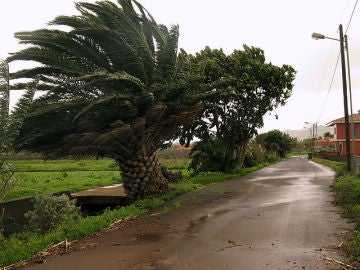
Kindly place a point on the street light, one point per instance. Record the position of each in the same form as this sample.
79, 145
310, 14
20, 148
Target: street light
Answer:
342, 54
313, 134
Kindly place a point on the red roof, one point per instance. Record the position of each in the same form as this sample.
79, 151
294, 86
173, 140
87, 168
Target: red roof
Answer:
354, 117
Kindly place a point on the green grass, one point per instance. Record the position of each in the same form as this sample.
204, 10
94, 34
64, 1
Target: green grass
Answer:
45, 182
44, 177
208, 178
347, 192
338, 167
65, 177
65, 165
175, 163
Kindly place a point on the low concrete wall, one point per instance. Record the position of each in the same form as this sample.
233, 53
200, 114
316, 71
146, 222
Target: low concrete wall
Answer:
91, 204
15, 209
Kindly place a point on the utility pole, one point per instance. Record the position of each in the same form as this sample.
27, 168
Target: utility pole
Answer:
346, 113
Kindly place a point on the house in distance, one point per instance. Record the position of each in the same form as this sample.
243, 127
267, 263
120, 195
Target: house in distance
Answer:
339, 139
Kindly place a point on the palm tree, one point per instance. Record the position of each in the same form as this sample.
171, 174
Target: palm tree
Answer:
10, 124
114, 85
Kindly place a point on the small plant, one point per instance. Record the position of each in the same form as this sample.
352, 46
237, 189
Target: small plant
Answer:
177, 205
347, 191
50, 211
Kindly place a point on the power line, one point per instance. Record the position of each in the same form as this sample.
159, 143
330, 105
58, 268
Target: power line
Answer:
352, 13
330, 86
337, 62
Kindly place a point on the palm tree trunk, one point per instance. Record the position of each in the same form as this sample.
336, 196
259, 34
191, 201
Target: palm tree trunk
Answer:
142, 177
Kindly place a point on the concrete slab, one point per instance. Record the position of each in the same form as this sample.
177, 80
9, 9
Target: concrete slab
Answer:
113, 190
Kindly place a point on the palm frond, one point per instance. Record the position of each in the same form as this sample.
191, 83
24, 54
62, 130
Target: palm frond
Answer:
166, 54
121, 134
154, 114
19, 113
104, 76
123, 99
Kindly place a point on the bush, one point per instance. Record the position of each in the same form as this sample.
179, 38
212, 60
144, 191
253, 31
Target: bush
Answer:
50, 211
347, 191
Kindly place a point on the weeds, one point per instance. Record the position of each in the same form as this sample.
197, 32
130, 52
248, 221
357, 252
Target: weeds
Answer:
347, 194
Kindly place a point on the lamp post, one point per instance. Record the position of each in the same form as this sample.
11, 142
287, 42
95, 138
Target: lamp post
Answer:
313, 134
353, 163
343, 69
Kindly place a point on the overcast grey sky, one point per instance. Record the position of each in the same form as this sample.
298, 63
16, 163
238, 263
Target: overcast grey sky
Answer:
282, 28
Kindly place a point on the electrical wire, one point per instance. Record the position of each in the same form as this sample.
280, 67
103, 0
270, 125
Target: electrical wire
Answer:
330, 87
336, 65
351, 16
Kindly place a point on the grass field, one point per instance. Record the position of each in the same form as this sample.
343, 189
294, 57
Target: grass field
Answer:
40, 177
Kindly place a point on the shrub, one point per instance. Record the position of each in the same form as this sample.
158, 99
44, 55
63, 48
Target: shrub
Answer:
50, 211
347, 191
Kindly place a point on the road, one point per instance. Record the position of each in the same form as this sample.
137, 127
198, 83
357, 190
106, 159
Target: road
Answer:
280, 217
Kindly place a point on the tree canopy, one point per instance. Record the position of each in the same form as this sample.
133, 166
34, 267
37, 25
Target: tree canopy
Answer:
229, 120
277, 142
114, 85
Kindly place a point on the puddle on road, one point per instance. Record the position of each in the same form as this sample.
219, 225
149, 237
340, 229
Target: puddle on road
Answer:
196, 222
222, 212
201, 220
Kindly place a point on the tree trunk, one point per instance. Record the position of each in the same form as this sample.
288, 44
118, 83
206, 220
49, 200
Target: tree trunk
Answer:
240, 154
142, 177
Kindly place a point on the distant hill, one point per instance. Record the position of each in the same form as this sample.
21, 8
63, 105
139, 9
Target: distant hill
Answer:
305, 132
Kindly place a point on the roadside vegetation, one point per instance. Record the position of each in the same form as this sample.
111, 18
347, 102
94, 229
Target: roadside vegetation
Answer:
347, 194
347, 188
27, 242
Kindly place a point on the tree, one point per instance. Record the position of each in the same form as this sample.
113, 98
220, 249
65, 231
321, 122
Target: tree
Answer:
232, 118
278, 143
327, 134
10, 124
113, 86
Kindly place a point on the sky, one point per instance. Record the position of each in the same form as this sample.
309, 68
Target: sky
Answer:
281, 28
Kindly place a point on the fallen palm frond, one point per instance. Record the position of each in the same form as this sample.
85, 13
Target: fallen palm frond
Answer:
344, 265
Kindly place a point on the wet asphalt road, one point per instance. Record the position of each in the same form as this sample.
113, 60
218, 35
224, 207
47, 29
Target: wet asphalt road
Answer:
280, 217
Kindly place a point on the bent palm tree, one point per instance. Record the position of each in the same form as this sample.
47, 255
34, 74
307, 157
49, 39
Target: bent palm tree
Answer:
114, 87
10, 125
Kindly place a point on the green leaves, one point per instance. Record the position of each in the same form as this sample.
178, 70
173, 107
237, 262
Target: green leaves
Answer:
112, 83
278, 142
10, 125
244, 89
